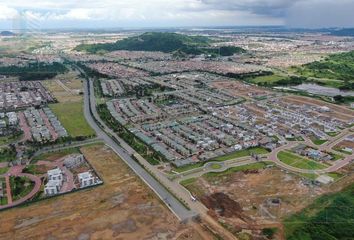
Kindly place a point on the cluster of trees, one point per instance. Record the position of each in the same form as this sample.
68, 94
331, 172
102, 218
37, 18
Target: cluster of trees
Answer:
330, 217
343, 99
149, 154
151, 41
178, 44
247, 76
34, 71
286, 81
8, 154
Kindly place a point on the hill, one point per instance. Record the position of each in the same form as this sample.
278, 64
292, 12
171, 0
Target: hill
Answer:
163, 42
345, 32
336, 66
6, 33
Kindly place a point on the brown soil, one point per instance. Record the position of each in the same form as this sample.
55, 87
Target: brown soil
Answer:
122, 208
224, 205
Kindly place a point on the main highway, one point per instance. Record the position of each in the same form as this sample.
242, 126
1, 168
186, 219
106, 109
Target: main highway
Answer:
91, 116
164, 186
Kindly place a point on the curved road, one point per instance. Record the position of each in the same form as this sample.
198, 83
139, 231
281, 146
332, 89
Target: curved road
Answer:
273, 156
37, 186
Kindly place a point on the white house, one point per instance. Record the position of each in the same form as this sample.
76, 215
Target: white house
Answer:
86, 179
55, 174
55, 182
53, 187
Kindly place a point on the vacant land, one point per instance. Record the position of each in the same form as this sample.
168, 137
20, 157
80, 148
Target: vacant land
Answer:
298, 161
251, 189
65, 87
329, 217
72, 117
122, 208
56, 155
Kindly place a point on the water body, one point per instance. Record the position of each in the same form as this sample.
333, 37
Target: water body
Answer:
321, 90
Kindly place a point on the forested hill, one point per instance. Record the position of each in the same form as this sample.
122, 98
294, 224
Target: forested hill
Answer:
163, 42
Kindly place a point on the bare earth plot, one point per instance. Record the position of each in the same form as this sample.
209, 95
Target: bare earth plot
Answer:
122, 208
66, 89
243, 199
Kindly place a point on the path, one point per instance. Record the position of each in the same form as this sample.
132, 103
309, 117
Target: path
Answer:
8, 190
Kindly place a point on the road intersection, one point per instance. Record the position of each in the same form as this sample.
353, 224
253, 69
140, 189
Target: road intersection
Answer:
175, 196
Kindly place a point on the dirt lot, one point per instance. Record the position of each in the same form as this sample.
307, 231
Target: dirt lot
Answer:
65, 87
251, 189
240, 89
246, 203
122, 208
345, 143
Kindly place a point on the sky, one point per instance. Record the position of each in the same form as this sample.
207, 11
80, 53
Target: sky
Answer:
43, 14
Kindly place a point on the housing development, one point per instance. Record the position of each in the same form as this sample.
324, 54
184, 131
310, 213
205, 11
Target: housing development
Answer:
184, 134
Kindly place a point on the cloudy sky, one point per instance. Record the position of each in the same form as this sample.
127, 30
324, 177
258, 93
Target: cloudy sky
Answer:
173, 13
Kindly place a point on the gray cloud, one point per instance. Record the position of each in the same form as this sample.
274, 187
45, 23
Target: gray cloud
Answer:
274, 8
295, 13
321, 13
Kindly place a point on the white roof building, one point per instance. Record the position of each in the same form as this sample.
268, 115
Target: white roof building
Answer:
86, 179
55, 174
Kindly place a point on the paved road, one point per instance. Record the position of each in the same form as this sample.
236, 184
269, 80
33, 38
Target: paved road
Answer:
208, 169
60, 147
124, 151
273, 156
90, 109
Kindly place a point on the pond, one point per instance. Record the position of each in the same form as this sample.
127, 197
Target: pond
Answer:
321, 90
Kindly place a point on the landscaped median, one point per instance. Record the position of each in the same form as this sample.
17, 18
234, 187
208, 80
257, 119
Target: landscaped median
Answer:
247, 167
231, 156
297, 161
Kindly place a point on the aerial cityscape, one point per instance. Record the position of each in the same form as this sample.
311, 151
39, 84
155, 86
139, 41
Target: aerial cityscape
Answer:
210, 120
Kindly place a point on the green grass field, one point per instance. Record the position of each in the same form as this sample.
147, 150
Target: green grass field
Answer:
234, 155
328, 217
297, 161
215, 166
4, 170
187, 182
253, 166
318, 141
189, 167
72, 118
